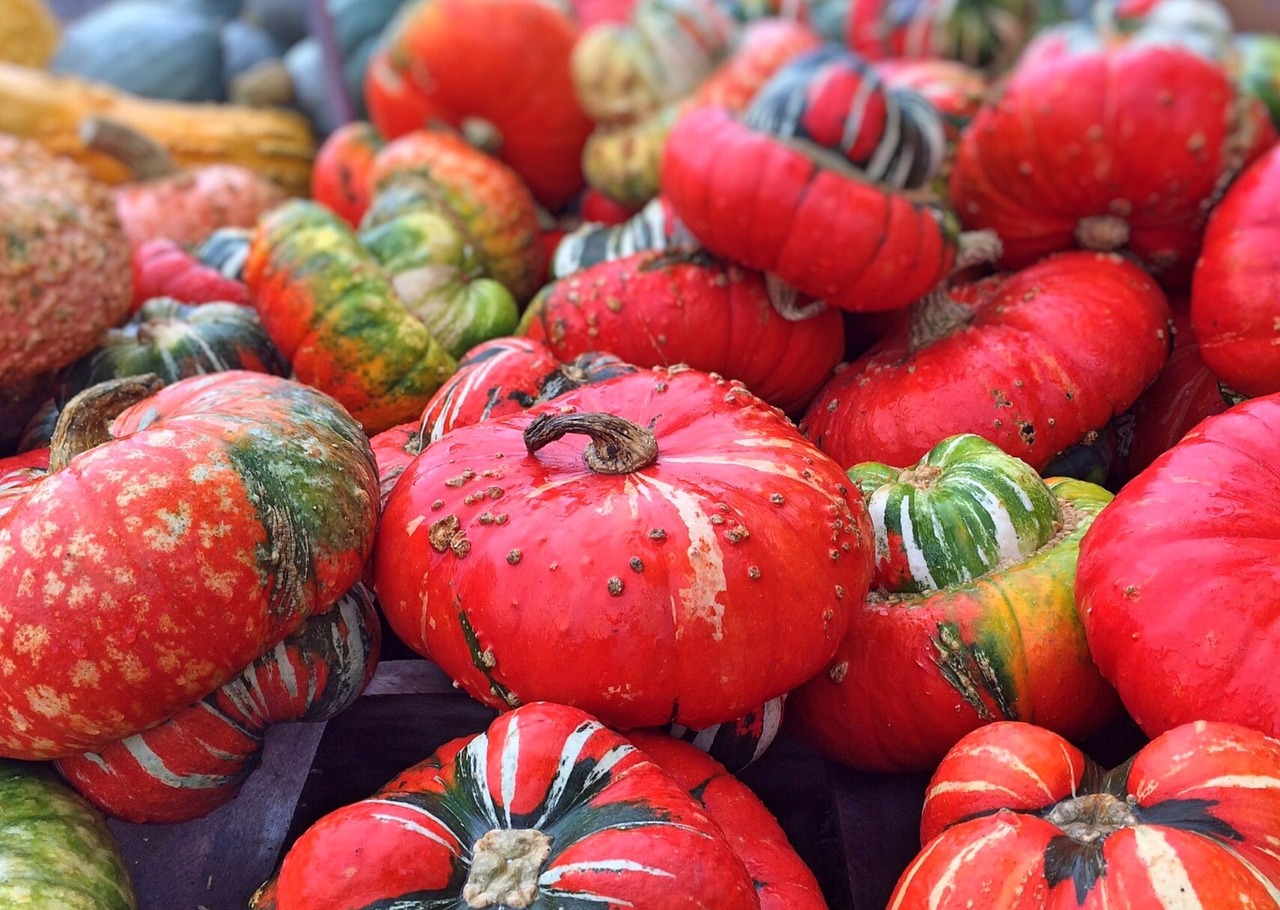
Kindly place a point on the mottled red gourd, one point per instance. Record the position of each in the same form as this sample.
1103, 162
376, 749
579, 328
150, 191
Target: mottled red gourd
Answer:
163, 268
1016, 818
1179, 579
1032, 361
662, 308
250, 499
546, 808
341, 177
663, 554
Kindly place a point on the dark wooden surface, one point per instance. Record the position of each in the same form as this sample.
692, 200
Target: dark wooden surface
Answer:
856, 831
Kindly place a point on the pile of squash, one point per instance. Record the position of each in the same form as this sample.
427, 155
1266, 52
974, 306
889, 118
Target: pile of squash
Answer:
661, 370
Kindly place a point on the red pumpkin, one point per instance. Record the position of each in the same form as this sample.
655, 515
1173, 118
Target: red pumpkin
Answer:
665, 563
197, 760
782, 880
1108, 147
341, 177
497, 69
828, 233
662, 308
1031, 361
1185, 393
1179, 579
545, 808
1016, 818
208, 522
1235, 295
163, 268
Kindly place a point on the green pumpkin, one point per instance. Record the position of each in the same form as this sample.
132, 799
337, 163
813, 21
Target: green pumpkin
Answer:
175, 340
437, 274
1259, 70
56, 852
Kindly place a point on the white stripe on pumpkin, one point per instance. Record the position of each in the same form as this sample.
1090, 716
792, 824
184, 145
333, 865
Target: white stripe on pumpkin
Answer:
1165, 872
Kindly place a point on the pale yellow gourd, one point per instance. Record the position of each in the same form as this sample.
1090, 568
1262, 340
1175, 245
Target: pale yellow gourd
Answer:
28, 32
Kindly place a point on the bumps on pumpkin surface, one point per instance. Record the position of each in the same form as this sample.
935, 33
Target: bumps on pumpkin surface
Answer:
64, 261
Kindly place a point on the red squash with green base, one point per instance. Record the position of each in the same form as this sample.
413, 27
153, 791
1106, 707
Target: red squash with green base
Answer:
1016, 818
250, 500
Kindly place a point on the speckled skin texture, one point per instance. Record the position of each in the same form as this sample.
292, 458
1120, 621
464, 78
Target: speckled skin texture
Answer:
64, 261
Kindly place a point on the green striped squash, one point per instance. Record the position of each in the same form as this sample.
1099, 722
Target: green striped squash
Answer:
964, 510
56, 852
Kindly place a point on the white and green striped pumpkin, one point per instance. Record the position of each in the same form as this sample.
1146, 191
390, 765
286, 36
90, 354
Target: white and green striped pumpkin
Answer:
56, 852
966, 508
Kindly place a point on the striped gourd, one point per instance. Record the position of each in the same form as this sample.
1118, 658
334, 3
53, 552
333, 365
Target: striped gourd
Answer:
56, 852
546, 809
833, 103
965, 509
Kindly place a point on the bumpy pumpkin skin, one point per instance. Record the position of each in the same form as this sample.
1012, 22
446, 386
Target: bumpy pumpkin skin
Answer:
1033, 362
1235, 293
198, 759
1018, 815
56, 851
1179, 581
333, 313
250, 499
623, 833
971, 628
662, 582
658, 309
64, 265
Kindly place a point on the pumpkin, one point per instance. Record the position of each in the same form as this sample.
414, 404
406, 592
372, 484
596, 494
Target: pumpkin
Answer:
1053, 163
688, 513
972, 612
335, 316
623, 72
1031, 360
173, 340
545, 808
250, 499
64, 268
1235, 293
226, 250
1259, 71
341, 177
782, 880
162, 268
495, 69
822, 229
50, 110
28, 32
623, 161
1151, 587
1185, 393
440, 171
183, 206
197, 760
987, 33
662, 308
148, 48
434, 270
56, 850
1017, 818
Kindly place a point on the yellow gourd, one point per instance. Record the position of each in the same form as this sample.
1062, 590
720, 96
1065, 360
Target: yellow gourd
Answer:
52, 109
28, 32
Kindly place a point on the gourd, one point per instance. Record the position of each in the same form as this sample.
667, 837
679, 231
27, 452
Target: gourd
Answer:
28, 32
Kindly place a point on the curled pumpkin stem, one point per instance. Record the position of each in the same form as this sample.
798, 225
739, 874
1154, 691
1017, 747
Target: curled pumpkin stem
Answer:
146, 158
935, 317
86, 420
617, 446
786, 300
